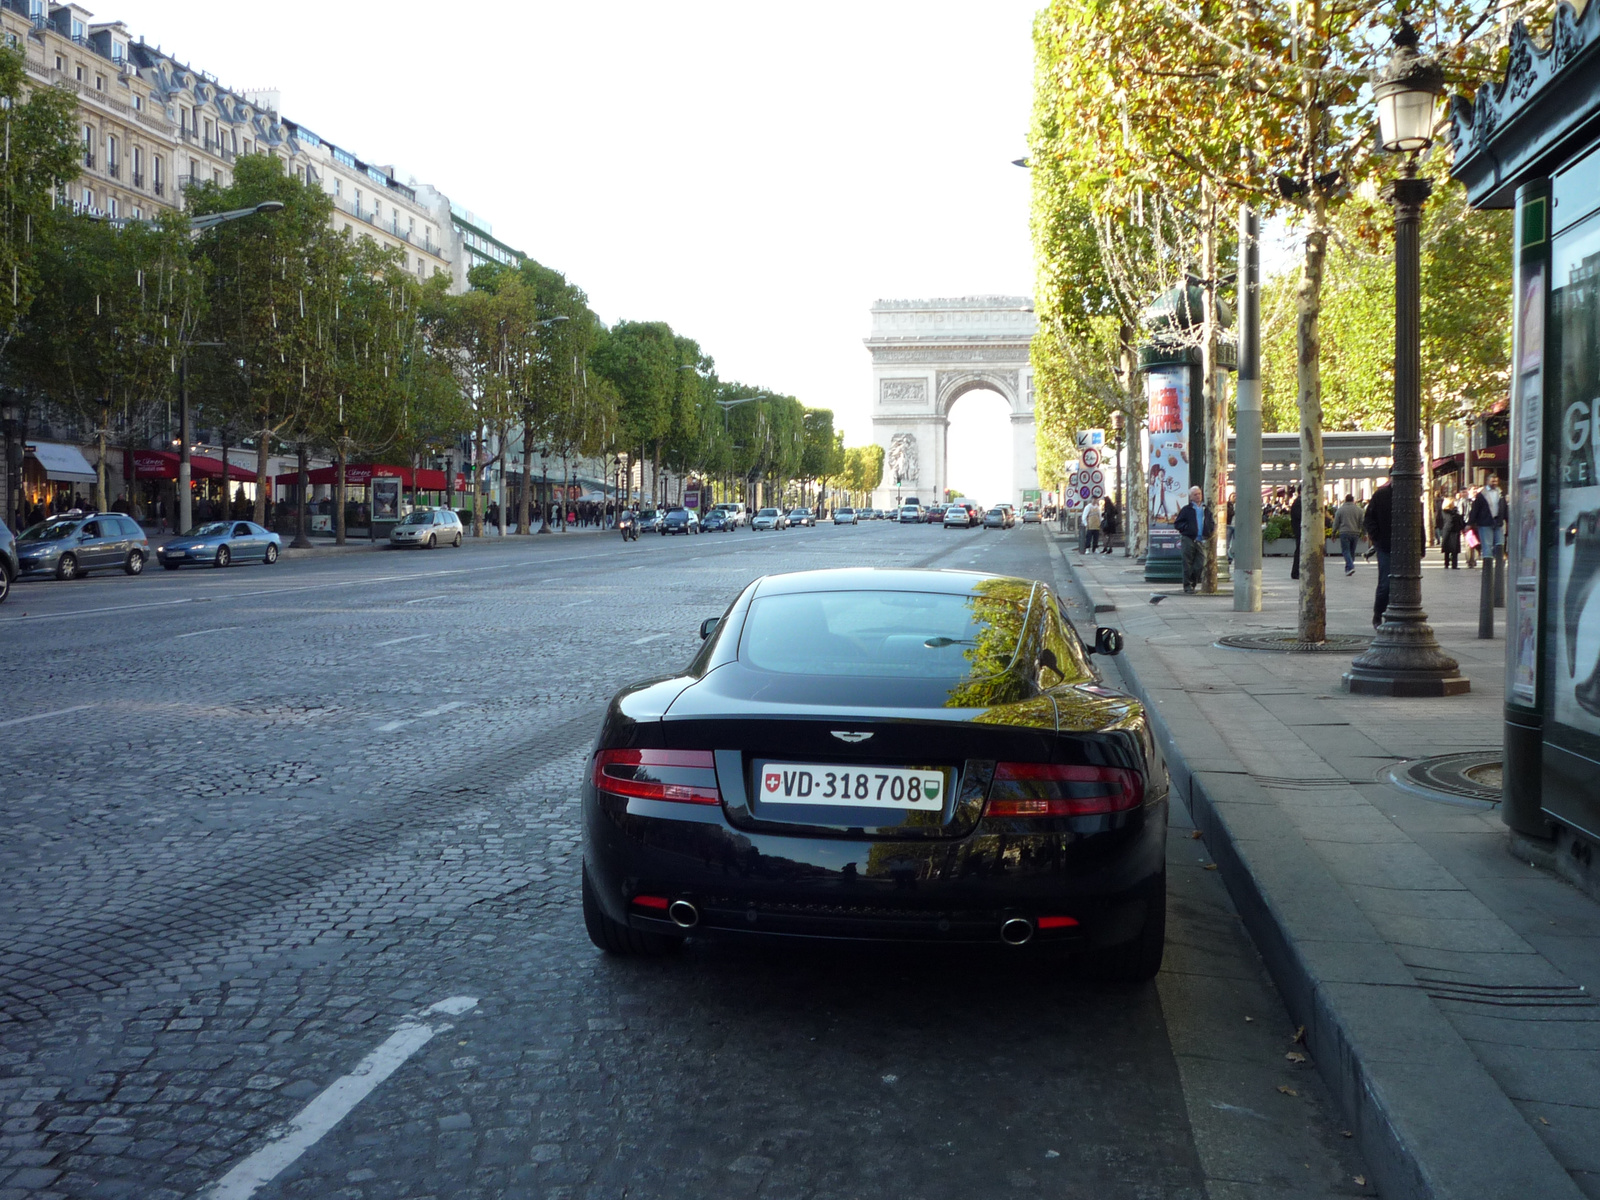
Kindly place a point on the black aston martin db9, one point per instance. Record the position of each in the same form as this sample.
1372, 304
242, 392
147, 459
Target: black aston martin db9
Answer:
899, 755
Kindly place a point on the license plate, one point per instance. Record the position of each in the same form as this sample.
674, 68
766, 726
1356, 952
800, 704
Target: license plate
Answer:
859, 787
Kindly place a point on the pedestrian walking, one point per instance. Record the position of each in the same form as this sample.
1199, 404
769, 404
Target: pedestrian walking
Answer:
1488, 518
1294, 519
1451, 526
1196, 525
1232, 523
1348, 523
1377, 523
1091, 523
1108, 523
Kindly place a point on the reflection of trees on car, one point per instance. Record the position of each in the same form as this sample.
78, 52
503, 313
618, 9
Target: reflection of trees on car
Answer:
1000, 610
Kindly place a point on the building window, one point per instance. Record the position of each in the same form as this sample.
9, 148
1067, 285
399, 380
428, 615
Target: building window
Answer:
338, 189
138, 213
60, 65
111, 207
88, 198
138, 167
79, 71
138, 102
216, 176
99, 83
155, 168
111, 154
88, 145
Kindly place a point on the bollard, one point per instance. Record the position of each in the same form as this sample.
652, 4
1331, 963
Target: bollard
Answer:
1486, 600
1499, 577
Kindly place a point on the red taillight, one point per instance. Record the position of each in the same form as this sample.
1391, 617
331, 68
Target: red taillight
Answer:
660, 902
1053, 790
684, 776
1045, 922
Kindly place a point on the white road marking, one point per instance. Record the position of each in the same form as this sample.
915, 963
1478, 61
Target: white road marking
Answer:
307, 1127
424, 599
654, 637
218, 629
396, 641
391, 726
60, 712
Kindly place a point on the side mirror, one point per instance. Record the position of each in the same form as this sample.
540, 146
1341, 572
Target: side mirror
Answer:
1107, 640
709, 626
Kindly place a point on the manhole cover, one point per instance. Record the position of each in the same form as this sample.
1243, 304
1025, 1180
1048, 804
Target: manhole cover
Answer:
1472, 778
1287, 641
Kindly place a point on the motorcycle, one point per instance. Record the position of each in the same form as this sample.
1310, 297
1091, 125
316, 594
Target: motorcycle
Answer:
628, 526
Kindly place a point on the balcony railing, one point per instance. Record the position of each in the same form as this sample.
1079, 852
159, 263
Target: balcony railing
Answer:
157, 186
112, 168
138, 179
188, 134
88, 158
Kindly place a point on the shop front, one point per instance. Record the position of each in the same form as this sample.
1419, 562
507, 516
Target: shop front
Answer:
1532, 143
55, 477
376, 496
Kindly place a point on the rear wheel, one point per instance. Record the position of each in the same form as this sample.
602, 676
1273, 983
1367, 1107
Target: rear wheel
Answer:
272, 554
5, 583
67, 567
433, 541
457, 542
1139, 960
223, 556
135, 562
616, 938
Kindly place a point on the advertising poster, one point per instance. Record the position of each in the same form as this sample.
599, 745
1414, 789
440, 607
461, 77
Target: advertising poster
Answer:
1525, 646
1575, 612
1167, 393
385, 498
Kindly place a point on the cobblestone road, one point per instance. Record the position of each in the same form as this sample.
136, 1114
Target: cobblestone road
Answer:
255, 821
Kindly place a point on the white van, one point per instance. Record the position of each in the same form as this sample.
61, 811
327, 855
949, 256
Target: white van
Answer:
738, 514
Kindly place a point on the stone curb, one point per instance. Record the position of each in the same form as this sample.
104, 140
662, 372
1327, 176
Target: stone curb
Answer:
1430, 1120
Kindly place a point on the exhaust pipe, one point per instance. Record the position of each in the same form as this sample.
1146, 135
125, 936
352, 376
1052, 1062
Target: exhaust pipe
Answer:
1016, 931
686, 916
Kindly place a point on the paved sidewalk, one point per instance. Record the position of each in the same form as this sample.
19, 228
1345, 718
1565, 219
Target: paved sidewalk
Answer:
1447, 988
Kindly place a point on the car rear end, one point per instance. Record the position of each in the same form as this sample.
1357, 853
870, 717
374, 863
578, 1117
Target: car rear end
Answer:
829, 812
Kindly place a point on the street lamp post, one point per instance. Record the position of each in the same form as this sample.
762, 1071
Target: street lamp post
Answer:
185, 506
1404, 658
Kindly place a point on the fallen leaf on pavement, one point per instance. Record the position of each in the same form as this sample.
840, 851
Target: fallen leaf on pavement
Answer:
1347, 1133
1195, 834
1299, 1034
1249, 1018
1361, 1181
1295, 1056
1211, 866
1542, 1121
1287, 1091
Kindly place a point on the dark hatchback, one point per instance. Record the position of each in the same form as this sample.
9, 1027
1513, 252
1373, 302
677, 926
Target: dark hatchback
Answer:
894, 755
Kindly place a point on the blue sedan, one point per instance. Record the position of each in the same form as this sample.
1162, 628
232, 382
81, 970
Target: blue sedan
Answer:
219, 543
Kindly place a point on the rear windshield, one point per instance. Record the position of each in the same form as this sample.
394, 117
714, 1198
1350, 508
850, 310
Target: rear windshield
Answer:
910, 635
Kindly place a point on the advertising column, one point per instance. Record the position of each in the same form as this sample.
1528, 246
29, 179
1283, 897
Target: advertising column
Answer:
1167, 472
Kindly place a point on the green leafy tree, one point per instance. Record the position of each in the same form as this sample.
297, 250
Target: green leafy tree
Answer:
640, 359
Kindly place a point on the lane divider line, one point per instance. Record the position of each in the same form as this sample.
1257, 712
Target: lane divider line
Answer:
218, 629
654, 637
334, 1103
396, 641
60, 712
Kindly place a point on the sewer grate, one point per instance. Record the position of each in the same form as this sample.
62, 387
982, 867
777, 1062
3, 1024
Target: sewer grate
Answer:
1473, 777
1287, 641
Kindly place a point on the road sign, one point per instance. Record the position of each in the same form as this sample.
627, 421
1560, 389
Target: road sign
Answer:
1091, 437
1091, 457
1097, 477
1096, 492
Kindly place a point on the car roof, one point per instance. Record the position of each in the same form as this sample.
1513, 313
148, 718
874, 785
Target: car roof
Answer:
877, 579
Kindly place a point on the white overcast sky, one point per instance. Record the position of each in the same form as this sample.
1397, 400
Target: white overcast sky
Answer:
754, 174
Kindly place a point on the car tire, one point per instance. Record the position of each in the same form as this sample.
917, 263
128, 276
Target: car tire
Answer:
457, 542
224, 556
616, 938
171, 566
1137, 961
135, 563
67, 567
271, 555
433, 542
5, 584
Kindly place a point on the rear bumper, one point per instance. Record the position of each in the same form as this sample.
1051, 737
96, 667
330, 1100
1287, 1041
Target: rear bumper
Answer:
949, 891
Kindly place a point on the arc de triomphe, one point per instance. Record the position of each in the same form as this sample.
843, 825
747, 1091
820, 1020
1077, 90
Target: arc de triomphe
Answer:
926, 355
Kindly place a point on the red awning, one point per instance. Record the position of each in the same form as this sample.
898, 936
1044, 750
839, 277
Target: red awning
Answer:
163, 464
1490, 456
360, 474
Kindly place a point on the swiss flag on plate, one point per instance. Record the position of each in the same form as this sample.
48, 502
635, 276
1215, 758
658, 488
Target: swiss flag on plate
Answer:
773, 780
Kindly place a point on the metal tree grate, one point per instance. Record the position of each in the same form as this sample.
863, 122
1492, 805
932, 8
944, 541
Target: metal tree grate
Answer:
1287, 641
1472, 776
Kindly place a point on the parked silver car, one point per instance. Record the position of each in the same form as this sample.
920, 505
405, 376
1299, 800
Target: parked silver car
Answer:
72, 546
427, 527
844, 516
218, 543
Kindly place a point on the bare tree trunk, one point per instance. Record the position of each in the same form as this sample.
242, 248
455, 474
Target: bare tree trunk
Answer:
1216, 445
263, 478
341, 490
525, 501
1308, 337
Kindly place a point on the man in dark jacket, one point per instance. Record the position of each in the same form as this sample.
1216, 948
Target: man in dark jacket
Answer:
1294, 521
1377, 523
1197, 526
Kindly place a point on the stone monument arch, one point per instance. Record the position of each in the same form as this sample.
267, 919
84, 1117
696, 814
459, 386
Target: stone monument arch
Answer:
926, 355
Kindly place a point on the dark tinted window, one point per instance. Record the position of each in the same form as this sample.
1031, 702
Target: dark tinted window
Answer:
92, 529
241, 530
